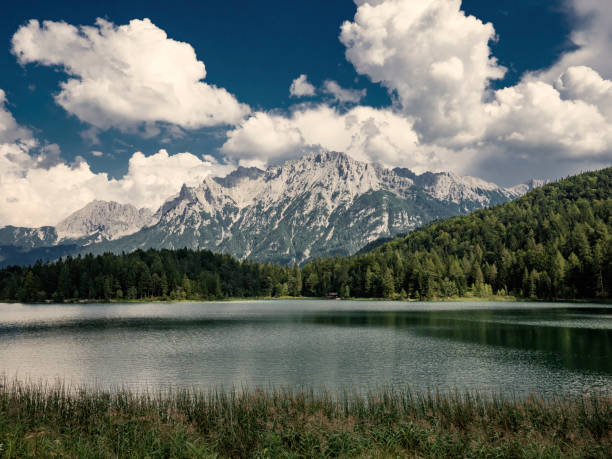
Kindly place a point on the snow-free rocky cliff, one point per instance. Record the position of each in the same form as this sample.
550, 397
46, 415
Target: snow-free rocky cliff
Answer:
321, 204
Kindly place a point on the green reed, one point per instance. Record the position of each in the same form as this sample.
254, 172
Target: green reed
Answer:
57, 420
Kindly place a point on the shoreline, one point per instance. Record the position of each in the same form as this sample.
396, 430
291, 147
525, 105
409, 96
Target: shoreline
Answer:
464, 299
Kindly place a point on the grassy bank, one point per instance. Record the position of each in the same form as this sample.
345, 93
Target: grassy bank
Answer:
40, 421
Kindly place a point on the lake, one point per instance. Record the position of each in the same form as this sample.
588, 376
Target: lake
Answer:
509, 348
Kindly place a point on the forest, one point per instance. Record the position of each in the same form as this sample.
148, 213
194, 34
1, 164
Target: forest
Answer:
553, 243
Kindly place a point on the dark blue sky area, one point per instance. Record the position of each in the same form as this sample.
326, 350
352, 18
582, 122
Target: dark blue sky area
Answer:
254, 50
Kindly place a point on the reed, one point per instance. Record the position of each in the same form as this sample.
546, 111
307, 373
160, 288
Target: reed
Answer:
39, 420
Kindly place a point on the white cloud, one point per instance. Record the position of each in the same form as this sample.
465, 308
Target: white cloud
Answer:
543, 130
300, 87
365, 133
533, 117
264, 137
10, 130
341, 94
97, 153
591, 36
584, 83
436, 62
152, 179
35, 196
124, 76
432, 57
41, 189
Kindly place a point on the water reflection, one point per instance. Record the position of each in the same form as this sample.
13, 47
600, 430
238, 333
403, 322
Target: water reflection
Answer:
585, 345
514, 349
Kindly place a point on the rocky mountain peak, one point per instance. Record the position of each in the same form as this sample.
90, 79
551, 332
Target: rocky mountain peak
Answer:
324, 203
524, 188
106, 219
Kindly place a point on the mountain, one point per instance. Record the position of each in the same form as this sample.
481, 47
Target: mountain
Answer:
96, 222
555, 242
469, 193
26, 245
525, 188
28, 238
103, 220
321, 204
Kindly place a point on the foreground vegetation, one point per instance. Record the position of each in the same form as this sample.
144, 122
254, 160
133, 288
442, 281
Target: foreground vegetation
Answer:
44, 421
553, 243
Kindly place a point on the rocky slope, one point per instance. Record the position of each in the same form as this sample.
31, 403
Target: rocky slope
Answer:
103, 220
321, 204
97, 222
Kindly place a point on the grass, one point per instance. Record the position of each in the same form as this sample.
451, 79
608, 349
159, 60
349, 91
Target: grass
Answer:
55, 420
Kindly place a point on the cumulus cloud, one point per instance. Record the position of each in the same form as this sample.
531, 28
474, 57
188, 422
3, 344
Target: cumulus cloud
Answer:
341, 94
10, 130
436, 62
585, 84
433, 58
536, 128
35, 196
591, 37
365, 133
533, 116
124, 76
152, 179
38, 188
300, 87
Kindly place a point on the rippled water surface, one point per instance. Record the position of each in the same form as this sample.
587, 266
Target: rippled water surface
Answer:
514, 348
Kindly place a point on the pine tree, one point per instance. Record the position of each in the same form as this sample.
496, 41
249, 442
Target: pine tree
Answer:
388, 284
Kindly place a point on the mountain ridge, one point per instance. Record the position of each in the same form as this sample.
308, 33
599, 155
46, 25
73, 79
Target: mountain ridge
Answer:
323, 203
554, 243
107, 220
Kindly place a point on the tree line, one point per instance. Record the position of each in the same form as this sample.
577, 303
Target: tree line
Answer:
166, 274
553, 243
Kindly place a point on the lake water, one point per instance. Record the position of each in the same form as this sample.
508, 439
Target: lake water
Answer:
512, 348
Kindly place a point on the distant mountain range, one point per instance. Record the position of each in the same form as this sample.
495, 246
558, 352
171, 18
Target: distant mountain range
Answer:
321, 204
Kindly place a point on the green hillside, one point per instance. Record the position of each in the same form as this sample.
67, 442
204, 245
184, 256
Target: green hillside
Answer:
555, 242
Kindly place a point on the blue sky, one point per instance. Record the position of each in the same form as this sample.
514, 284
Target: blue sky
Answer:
254, 50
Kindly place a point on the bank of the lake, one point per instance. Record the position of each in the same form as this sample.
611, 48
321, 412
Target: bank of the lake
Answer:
161, 299
38, 420
452, 299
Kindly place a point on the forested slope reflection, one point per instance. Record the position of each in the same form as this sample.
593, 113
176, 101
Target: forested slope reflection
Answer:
572, 338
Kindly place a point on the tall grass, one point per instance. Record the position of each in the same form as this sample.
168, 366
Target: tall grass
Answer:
56, 420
